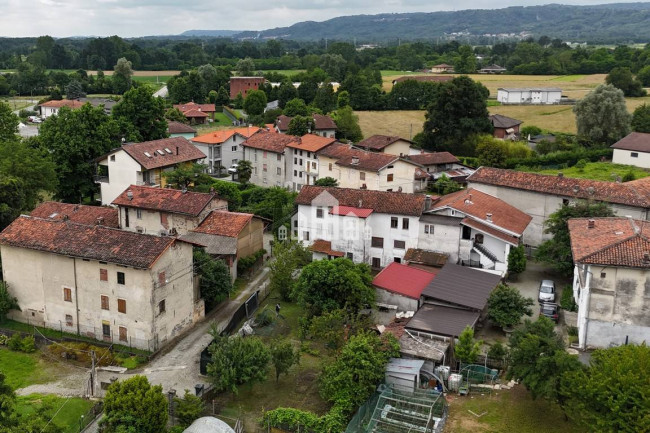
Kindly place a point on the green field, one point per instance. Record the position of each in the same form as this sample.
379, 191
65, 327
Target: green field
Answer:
568, 78
605, 171
388, 73
24, 369
287, 72
67, 417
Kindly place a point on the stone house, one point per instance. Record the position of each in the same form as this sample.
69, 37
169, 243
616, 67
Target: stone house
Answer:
633, 149
611, 280
100, 282
266, 152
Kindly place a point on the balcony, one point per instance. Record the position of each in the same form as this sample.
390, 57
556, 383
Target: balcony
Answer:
101, 179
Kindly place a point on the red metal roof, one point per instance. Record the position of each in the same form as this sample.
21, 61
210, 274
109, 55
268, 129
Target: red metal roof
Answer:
353, 211
403, 280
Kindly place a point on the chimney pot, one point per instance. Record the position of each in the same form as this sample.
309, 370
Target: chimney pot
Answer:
591, 224
488, 217
129, 195
560, 175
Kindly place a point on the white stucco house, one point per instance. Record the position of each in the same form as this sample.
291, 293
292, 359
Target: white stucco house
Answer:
303, 163
541, 95
51, 108
266, 152
611, 280
223, 148
633, 149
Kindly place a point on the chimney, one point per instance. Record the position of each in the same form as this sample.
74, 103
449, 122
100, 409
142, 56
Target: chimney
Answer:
355, 160
129, 195
488, 217
64, 217
560, 175
176, 150
100, 221
591, 224
646, 258
427, 202
184, 190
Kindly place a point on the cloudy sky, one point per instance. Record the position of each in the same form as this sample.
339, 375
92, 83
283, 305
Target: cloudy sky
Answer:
60, 18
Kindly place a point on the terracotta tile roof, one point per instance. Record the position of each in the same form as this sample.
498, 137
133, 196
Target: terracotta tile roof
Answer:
282, 122
164, 199
435, 158
636, 193
500, 121
63, 103
378, 142
478, 204
218, 137
180, 150
89, 242
637, 141
77, 213
351, 211
325, 247
223, 223
403, 280
208, 108
179, 128
421, 174
424, 257
265, 140
513, 240
312, 143
356, 158
323, 122
194, 113
425, 78
611, 242
380, 201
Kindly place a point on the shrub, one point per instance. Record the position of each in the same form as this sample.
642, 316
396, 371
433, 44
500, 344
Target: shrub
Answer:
15, 342
3, 340
246, 263
566, 300
629, 176
28, 345
497, 351
265, 317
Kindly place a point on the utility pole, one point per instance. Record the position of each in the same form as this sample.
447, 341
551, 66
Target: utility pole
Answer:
92, 374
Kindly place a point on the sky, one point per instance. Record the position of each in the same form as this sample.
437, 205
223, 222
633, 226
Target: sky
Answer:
132, 18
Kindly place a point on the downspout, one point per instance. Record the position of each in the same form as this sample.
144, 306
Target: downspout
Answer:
585, 304
76, 292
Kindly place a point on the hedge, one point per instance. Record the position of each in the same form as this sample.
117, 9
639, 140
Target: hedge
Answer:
568, 157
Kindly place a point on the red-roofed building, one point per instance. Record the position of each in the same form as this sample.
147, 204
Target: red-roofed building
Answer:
266, 152
167, 211
142, 164
302, 159
100, 282
224, 147
197, 113
401, 285
611, 280
51, 108
393, 145
78, 213
323, 125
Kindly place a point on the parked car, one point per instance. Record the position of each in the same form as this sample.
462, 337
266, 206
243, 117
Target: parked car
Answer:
550, 310
546, 291
35, 119
233, 168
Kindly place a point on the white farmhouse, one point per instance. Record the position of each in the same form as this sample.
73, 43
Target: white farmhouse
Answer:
541, 95
633, 149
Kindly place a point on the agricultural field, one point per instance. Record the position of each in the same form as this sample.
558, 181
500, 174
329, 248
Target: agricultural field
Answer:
403, 123
604, 171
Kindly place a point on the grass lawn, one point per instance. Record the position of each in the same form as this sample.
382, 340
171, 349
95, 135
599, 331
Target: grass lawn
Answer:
24, 369
287, 72
67, 418
506, 411
598, 171
405, 123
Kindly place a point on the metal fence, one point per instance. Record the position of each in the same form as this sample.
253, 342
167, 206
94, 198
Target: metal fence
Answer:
90, 416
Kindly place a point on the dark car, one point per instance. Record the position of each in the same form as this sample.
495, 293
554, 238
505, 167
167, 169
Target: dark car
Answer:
550, 310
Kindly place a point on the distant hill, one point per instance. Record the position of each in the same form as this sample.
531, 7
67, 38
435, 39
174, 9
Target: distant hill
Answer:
210, 33
608, 23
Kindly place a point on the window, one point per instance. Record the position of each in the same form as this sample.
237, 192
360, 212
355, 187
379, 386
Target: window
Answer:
67, 294
377, 242
120, 278
634, 154
113, 158
295, 172
428, 229
349, 256
405, 223
376, 262
278, 171
68, 320
319, 212
161, 307
301, 162
162, 280
264, 168
565, 202
295, 161
255, 156
106, 329
603, 275
305, 235
279, 157
300, 175
400, 245
104, 302
264, 180
393, 222
389, 177
121, 306
397, 260
479, 238
301, 154
390, 166
313, 165
295, 151
295, 223
123, 334
330, 166
265, 155
467, 233
362, 175
138, 214
103, 275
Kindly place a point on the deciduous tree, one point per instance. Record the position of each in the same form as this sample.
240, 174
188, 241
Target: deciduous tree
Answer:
244, 171
347, 124
601, 116
295, 107
255, 103
245, 67
8, 123
516, 260
300, 125
623, 79
467, 349
506, 306
138, 107
289, 255
283, 356
641, 118
122, 73
215, 279
326, 181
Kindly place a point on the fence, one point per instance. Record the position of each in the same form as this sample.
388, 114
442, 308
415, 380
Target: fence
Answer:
90, 416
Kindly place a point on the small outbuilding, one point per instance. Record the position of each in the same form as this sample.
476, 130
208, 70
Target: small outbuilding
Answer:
633, 149
526, 95
404, 374
401, 286
209, 424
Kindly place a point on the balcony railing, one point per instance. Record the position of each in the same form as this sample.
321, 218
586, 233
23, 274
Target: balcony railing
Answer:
100, 179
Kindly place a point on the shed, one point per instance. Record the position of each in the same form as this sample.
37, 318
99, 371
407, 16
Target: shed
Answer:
401, 285
442, 321
461, 287
404, 374
209, 424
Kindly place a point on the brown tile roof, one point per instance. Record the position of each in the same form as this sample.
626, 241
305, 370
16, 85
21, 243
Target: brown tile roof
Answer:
179, 128
180, 150
63, 103
611, 242
500, 121
311, 143
378, 142
347, 157
265, 140
325, 247
282, 122
434, 158
164, 199
424, 257
478, 204
78, 213
194, 113
223, 223
217, 137
637, 141
323, 122
89, 242
380, 201
208, 108
425, 78
636, 193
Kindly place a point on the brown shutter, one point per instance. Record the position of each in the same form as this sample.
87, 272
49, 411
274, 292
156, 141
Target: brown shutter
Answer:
103, 274
121, 306
104, 302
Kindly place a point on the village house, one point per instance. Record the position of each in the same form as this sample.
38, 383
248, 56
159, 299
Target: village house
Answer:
400, 286
244, 85
50, 108
223, 148
611, 280
78, 213
633, 149
229, 236
197, 113
442, 68
392, 145
302, 159
542, 95
356, 168
473, 228
373, 227
164, 211
142, 164
505, 128
323, 125
178, 129
100, 282
541, 195
437, 164
266, 152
